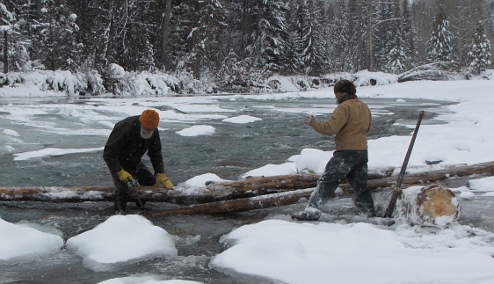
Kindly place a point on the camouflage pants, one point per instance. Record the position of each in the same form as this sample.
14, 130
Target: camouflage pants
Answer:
351, 164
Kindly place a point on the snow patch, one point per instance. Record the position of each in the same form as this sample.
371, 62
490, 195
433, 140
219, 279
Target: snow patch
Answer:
242, 119
312, 252
151, 279
10, 132
197, 130
123, 238
47, 152
18, 240
272, 170
200, 181
482, 184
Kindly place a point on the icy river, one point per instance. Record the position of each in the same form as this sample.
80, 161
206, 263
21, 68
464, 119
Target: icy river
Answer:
58, 141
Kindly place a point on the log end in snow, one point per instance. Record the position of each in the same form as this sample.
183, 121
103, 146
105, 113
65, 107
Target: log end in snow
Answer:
432, 205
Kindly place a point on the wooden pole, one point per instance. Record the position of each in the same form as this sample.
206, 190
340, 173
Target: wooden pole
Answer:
397, 189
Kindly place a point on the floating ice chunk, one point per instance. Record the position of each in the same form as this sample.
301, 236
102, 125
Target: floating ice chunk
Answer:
197, 130
10, 132
273, 170
18, 241
242, 119
145, 280
315, 252
47, 152
123, 238
200, 181
482, 184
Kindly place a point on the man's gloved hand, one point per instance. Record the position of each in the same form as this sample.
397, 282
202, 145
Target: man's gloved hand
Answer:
163, 180
310, 120
124, 176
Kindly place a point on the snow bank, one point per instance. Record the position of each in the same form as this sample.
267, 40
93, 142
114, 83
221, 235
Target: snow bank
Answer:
42, 83
22, 241
313, 253
364, 77
123, 238
242, 119
197, 130
201, 180
145, 280
482, 184
48, 152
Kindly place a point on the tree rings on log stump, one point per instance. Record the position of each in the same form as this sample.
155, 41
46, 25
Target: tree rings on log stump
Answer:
431, 205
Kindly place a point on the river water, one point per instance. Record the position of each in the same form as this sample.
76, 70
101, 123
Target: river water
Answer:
234, 149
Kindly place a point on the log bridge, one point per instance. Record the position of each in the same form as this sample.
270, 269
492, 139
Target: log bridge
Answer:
248, 188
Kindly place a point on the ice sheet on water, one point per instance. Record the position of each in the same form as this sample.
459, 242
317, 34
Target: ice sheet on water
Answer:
242, 119
482, 184
47, 152
123, 238
22, 240
197, 130
149, 279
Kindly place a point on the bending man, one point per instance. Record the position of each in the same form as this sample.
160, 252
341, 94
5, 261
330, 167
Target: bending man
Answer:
350, 122
130, 139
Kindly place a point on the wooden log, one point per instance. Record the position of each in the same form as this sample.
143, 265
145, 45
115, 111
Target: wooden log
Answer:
243, 204
291, 197
431, 205
223, 191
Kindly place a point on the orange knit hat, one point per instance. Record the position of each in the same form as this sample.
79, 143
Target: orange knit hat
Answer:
149, 119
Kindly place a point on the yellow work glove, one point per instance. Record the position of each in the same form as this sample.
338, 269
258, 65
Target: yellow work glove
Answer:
163, 180
124, 175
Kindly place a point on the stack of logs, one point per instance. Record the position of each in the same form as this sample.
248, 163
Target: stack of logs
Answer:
248, 194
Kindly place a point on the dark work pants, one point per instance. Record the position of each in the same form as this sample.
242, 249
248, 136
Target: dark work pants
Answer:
144, 177
351, 164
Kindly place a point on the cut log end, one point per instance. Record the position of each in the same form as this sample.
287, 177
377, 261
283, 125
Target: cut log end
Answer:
435, 205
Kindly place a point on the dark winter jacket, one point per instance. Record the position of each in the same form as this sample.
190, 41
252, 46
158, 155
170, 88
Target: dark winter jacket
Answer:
350, 122
125, 147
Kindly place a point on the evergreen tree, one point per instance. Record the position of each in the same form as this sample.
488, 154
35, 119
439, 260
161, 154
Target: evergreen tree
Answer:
340, 37
441, 43
205, 37
480, 51
55, 40
268, 38
312, 43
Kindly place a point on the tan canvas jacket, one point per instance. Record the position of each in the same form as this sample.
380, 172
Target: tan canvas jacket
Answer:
351, 122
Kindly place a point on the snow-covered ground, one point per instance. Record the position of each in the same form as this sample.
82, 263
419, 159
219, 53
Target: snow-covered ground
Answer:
358, 253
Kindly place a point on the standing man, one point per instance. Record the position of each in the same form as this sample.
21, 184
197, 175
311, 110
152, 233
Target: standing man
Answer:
128, 142
350, 122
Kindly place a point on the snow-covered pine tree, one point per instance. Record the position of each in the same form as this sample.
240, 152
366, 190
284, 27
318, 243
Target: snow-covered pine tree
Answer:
293, 62
205, 36
312, 51
441, 44
408, 34
6, 25
56, 36
268, 38
393, 55
339, 35
480, 50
